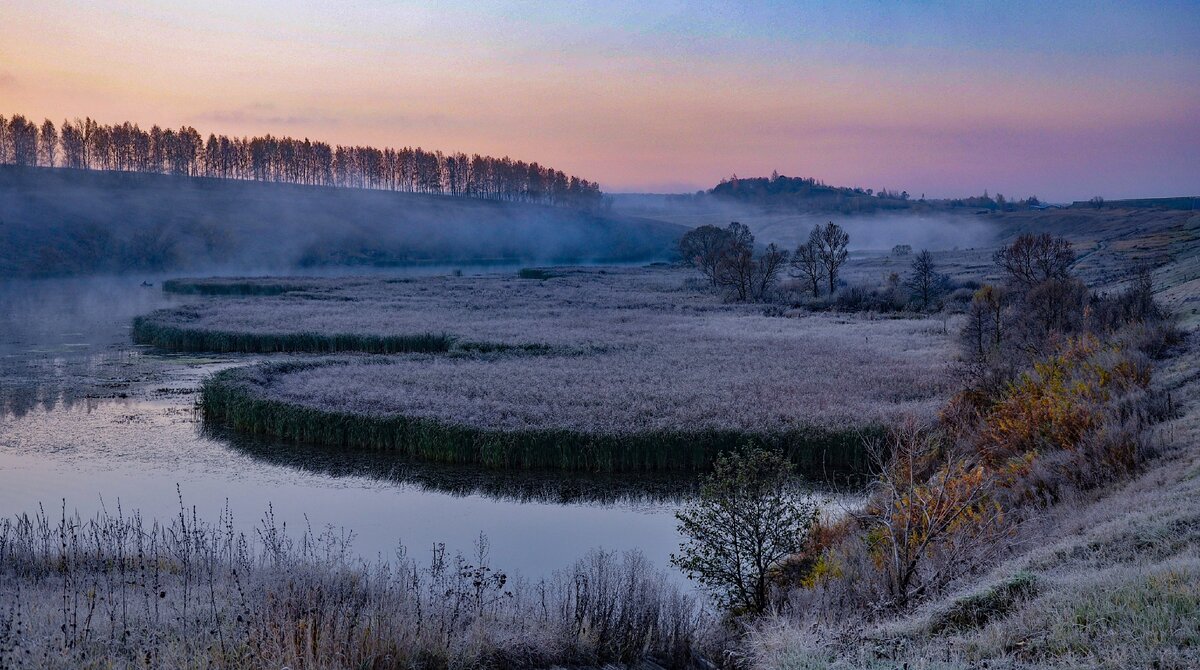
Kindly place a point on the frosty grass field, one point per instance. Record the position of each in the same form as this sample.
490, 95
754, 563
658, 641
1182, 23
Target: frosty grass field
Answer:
630, 369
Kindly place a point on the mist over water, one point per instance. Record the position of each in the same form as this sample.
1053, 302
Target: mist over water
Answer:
56, 222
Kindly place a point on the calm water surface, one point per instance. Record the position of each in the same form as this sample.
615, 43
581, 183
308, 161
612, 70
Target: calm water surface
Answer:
90, 419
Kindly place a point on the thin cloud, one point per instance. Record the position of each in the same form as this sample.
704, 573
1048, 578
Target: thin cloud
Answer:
265, 113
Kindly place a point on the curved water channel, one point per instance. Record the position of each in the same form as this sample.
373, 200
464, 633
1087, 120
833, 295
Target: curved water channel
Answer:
90, 421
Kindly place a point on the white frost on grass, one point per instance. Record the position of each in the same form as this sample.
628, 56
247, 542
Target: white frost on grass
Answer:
655, 356
575, 308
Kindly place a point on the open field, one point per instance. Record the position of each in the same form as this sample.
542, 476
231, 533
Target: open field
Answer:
592, 369
576, 308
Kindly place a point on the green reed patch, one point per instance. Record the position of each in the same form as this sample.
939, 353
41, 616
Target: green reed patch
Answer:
239, 399
247, 287
535, 273
179, 338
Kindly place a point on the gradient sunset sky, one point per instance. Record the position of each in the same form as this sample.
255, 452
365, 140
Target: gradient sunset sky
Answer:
1060, 99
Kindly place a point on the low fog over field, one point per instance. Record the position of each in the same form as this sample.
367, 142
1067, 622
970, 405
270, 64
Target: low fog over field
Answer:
64, 222
936, 231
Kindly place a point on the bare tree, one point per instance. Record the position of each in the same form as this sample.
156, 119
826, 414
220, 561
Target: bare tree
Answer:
748, 518
87, 145
703, 248
23, 138
984, 333
925, 281
807, 265
831, 243
766, 270
4, 140
1033, 259
740, 234
735, 270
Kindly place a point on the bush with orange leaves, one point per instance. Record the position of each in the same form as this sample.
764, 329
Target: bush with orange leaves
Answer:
1057, 397
946, 500
930, 519
1047, 420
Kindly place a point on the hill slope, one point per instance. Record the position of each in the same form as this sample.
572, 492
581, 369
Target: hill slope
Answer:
63, 221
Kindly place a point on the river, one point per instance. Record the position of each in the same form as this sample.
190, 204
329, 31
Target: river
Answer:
91, 422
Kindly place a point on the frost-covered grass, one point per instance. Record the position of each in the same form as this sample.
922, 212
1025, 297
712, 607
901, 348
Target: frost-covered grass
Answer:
1106, 579
591, 369
575, 308
117, 592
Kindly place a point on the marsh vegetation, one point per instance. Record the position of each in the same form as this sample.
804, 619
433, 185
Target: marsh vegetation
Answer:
591, 369
988, 399
118, 591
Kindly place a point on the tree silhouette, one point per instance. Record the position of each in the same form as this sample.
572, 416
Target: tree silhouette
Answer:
925, 281
86, 144
830, 242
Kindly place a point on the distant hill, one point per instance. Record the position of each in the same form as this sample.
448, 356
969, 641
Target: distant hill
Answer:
795, 195
808, 194
58, 221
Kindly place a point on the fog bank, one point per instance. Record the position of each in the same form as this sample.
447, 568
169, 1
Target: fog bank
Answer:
56, 222
936, 231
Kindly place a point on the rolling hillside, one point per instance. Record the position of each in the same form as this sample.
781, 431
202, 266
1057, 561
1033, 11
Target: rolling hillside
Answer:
69, 222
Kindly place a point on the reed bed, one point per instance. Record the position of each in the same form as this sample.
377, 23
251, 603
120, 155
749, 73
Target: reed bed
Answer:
633, 371
601, 412
241, 287
816, 452
146, 330
574, 308
117, 592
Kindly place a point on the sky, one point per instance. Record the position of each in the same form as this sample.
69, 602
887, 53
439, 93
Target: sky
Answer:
1064, 100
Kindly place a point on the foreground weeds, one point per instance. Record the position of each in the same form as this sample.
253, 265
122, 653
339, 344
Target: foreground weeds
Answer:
116, 592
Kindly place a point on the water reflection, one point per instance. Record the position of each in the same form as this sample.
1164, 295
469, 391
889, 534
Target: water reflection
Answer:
90, 419
627, 489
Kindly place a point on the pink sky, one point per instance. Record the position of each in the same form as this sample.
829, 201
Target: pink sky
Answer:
946, 100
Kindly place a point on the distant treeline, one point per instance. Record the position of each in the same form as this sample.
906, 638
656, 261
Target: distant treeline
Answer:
126, 147
1097, 202
813, 195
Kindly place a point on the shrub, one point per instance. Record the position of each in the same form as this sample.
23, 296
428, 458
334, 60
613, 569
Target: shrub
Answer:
116, 592
928, 523
1058, 404
747, 520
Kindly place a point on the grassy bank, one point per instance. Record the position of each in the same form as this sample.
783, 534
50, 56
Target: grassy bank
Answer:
1107, 579
230, 399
